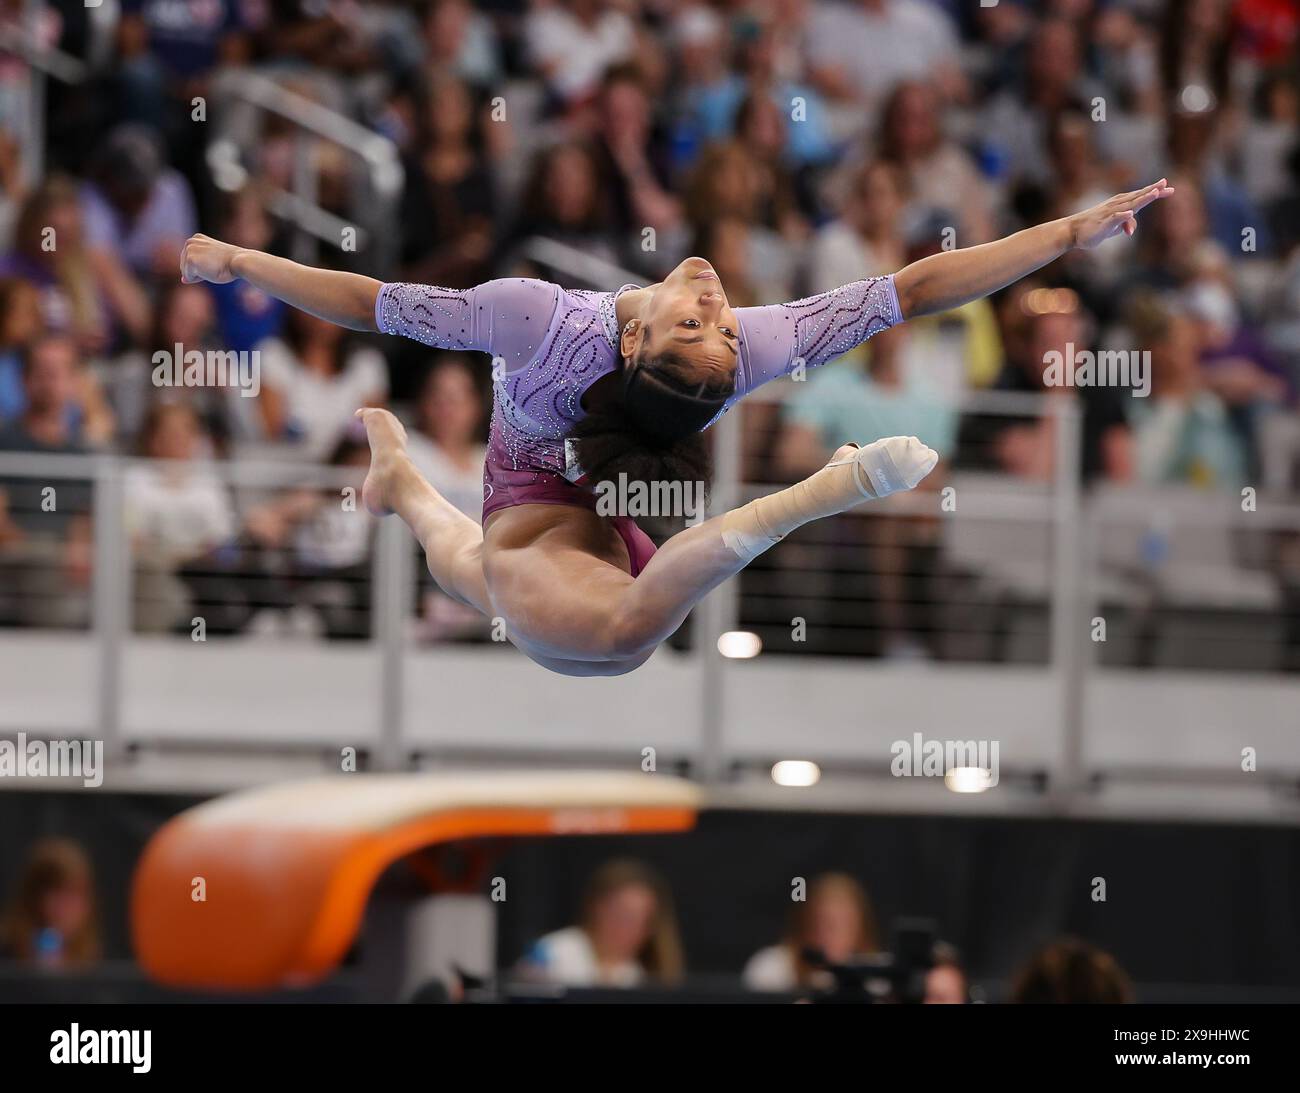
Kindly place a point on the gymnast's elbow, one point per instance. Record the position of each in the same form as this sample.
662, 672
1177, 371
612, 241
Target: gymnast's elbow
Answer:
915, 296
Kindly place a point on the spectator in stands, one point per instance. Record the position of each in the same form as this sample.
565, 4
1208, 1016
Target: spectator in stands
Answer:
20, 323
1237, 364
137, 207
1071, 972
446, 444
939, 176
1026, 446
1079, 178
178, 512
168, 53
446, 441
761, 126
1195, 151
85, 291
13, 187
868, 238
1196, 45
728, 243
632, 158
836, 918
729, 181
945, 982
459, 41
627, 935
571, 43
314, 379
184, 323
1182, 433
330, 539
304, 33
63, 409
1050, 78
563, 201
449, 205
801, 136
1171, 242
859, 50
246, 315
47, 560
52, 920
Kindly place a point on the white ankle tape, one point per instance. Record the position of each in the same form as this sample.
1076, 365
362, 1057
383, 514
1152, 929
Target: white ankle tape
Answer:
876, 461
747, 545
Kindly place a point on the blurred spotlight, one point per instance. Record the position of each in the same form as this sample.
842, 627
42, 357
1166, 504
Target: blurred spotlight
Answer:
796, 772
968, 780
1050, 301
1195, 99
740, 644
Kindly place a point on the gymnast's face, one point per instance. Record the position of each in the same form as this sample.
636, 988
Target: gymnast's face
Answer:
688, 316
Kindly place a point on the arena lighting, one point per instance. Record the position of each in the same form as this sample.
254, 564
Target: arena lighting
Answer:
967, 779
1196, 99
739, 644
797, 773
1050, 301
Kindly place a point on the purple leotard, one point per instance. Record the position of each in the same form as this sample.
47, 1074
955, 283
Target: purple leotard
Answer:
549, 344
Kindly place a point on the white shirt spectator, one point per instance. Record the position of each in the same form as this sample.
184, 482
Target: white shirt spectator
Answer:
320, 409
168, 217
573, 55
462, 486
905, 39
838, 255
177, 511
771, 969
567, 957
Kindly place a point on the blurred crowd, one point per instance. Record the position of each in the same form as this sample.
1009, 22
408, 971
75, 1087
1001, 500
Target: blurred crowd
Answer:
626, 936
798, 144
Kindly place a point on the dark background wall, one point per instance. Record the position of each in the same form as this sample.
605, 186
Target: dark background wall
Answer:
1186, 903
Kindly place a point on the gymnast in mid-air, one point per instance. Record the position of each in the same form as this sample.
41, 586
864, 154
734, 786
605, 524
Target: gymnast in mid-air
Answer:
591, 385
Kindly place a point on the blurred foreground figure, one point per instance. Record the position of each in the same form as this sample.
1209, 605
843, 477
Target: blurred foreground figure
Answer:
1071, 972
627, 935
52, 920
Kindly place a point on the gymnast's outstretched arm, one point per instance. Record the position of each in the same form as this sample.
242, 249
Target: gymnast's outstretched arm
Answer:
504, 317
952, 278
807, 333
347, 299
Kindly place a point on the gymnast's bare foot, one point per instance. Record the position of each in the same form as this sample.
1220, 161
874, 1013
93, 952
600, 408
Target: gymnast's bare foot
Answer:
389, 462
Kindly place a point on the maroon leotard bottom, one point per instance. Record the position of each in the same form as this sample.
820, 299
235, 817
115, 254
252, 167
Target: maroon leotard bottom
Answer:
544, 488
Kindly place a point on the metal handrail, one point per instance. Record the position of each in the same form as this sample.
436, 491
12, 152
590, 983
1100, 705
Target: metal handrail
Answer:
570, 261
378, 154
49, 62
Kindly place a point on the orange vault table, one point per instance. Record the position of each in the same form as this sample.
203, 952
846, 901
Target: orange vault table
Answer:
285, 870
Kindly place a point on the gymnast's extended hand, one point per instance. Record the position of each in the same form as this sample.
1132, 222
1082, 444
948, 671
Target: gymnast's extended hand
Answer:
344, 298
952, 278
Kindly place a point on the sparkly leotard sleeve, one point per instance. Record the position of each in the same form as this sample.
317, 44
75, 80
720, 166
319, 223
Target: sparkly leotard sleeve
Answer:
774, 339
506, 317
548, 345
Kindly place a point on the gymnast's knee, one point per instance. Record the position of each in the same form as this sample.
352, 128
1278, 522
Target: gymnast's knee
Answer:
631, 635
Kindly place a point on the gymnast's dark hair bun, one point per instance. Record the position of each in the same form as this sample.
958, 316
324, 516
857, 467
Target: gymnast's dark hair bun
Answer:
653, 434
607, 444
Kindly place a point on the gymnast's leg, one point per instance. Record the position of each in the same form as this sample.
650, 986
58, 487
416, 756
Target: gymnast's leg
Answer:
581, 608
453, 543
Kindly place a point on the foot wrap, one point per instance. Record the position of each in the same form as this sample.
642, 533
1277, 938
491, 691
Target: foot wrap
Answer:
888, 466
